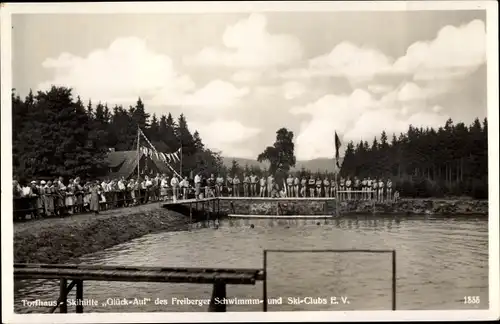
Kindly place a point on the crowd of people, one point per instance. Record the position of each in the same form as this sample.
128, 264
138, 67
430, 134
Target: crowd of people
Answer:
251, 185
44, 198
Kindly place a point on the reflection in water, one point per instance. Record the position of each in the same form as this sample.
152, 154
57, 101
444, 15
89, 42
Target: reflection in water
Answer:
439, 261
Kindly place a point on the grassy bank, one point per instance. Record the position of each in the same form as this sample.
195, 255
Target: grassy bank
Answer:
62, 239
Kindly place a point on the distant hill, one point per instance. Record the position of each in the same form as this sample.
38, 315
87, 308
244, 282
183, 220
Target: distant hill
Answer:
321, 164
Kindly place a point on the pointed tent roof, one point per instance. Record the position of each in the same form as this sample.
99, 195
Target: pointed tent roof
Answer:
126, 162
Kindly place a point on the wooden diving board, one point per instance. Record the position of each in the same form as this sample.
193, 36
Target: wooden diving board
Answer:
138, 274
280, 216
188, 201
279, 199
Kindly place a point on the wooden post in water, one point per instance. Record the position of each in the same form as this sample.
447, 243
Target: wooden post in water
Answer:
63, 296
79, 296
393, 280
219, 292
190, 215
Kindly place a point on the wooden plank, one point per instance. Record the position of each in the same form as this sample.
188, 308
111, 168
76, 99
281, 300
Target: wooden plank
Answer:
280, 216
187, 201
135, 276
135, 268
278, 199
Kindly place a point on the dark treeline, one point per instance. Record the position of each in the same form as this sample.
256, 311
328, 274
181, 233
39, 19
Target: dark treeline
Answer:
54, 134
452, 160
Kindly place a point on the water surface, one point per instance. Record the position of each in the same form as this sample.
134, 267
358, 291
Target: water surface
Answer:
439, 262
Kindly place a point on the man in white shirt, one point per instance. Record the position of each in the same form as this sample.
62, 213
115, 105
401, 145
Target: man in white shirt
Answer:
164, 188
175, 187
197, 185
185, 186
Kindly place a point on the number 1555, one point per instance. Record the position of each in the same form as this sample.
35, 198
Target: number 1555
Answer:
472, 300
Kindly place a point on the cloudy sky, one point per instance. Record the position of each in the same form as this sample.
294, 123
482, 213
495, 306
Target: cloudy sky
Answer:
240, 77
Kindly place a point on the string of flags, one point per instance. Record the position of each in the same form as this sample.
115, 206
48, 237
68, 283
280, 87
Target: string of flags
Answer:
165, 157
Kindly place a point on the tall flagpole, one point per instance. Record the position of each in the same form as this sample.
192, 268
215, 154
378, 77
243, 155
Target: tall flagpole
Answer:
337, 211
138, 152
181, 160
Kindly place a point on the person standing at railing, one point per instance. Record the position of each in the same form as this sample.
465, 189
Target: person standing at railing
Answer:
380, 190
78, 195
211, 186
296, 183
94, 198
368, 188
289, 186
312, 186
375, 188
49, 199
219, 185
246, 184
164, 188
185, 186
253, 184
389, 189
303, 187
236, 186
270, 183
69, 199
319, 184
121, 192
37, 203
348, 187
86, 197
357, 188
262, 187
174, 183
363, 189
197, 185
229, 186
326, 185
131, 190
333, 188
342, 188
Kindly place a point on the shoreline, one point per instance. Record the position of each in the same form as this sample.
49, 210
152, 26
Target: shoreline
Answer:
59, 240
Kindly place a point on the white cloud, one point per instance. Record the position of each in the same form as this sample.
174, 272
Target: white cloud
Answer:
216, 94
355, 117
411, 91
380, 88
124, 71
293, 89
357, 64
226, 136
248, 44
454, 53
246, 76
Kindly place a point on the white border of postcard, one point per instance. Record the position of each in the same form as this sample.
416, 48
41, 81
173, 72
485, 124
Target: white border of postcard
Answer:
8, 315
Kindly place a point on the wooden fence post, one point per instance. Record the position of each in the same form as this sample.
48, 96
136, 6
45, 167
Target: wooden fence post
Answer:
219, 292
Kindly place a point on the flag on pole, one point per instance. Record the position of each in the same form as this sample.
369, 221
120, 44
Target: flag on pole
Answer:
337, 148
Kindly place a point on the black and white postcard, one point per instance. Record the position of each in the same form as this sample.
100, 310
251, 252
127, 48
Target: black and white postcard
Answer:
241, 161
